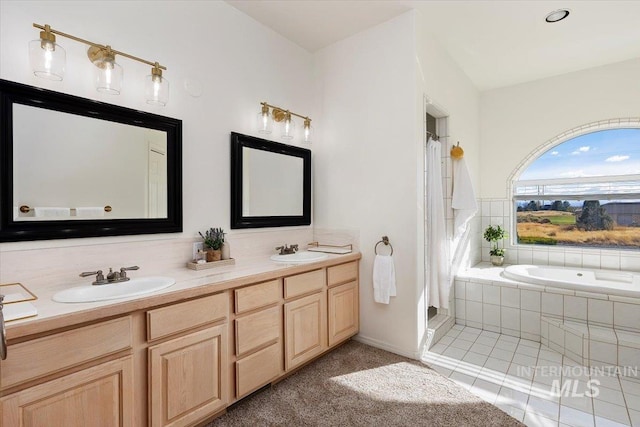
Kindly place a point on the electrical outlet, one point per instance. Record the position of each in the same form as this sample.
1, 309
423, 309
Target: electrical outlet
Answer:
197, 247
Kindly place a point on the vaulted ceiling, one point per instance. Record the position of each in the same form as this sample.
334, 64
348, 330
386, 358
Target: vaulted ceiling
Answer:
496, 43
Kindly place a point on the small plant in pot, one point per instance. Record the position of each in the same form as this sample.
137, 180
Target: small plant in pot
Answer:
495, 235
213, 239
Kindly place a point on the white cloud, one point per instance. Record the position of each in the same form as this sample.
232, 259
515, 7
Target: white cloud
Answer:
583, 149
554, 153
617, 158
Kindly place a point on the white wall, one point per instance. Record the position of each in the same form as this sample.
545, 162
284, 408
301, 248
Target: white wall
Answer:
517, 121
369, 166
236, 61
365, 167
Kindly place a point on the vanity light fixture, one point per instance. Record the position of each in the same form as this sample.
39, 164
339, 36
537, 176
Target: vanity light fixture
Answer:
48, 61
557, 15
46, 56
270, 113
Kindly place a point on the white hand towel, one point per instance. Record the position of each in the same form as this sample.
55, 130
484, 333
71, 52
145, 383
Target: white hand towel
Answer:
464, 198
384, 279
90, 212
42, 211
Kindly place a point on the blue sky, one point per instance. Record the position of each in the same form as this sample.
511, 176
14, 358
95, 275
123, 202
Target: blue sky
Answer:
607, 152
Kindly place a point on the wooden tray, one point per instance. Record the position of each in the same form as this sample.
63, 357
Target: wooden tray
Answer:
213, 264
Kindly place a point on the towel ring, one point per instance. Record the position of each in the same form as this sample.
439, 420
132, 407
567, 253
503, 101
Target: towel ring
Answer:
384, 240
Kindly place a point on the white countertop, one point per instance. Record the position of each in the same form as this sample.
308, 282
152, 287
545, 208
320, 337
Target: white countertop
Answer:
189, 284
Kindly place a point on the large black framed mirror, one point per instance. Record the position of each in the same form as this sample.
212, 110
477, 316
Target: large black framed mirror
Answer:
72, 167
270, 183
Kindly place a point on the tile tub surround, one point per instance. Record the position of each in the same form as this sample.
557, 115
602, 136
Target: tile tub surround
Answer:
592, 329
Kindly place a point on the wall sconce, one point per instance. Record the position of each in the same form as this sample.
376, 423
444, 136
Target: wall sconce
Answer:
270, 113
48, 61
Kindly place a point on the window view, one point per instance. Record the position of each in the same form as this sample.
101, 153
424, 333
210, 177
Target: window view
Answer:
583, 192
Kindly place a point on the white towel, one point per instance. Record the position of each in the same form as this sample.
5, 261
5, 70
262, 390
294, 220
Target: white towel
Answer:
90, 212
384, 279
42, 211
464, 198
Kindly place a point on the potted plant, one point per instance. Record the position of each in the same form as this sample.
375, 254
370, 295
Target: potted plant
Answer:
213, 239
494, 235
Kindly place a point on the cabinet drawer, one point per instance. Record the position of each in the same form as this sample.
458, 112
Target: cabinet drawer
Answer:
256, 296
256, 370
257, 330
32, 359
166, 321
305, 283
342, 273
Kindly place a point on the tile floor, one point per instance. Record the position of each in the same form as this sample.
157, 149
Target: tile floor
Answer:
533, 383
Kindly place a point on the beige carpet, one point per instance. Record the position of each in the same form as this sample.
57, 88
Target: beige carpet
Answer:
358, 385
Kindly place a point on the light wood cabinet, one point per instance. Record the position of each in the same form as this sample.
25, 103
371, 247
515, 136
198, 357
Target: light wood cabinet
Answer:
305, 325
258, 369
188, 377
258, 336
101, 396
40, 357
180, 361
343, 312
185, 316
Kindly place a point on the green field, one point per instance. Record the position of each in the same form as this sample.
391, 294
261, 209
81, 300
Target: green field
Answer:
562, 219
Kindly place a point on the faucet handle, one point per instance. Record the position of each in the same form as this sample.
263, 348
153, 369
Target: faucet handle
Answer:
98, 274
123, 271
90, 273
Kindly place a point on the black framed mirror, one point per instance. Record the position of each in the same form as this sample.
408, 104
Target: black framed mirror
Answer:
270, 183
72, 167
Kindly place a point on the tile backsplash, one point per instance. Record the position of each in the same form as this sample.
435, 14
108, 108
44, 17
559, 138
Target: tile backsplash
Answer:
63, 264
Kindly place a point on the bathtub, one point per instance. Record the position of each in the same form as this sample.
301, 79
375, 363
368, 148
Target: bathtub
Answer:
610, 282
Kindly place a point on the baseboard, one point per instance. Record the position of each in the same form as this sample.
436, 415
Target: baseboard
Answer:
386, 346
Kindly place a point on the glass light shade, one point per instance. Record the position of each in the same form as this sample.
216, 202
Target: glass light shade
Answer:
48, 59
308, 133
288, 128
108, 76
265, 123
156, 90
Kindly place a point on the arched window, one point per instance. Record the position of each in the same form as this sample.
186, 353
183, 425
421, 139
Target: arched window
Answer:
582, 190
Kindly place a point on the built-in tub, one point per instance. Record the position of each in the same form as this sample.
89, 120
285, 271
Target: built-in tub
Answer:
610, 282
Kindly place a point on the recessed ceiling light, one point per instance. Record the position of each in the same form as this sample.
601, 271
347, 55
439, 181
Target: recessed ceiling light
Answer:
557, 15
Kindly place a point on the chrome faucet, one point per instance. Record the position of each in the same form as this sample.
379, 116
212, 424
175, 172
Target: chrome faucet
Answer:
112, 276
287, 250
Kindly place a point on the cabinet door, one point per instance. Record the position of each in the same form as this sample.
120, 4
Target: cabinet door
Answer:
188, 377
343, 312
305, 329
101, 396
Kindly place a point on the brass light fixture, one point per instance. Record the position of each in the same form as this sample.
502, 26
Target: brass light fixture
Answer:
270, 113
48, 61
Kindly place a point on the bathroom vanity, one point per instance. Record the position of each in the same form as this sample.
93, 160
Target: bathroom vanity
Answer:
180, 356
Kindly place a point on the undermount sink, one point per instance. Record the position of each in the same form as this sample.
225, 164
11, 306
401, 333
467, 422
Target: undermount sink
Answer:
300, 257
131, 288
